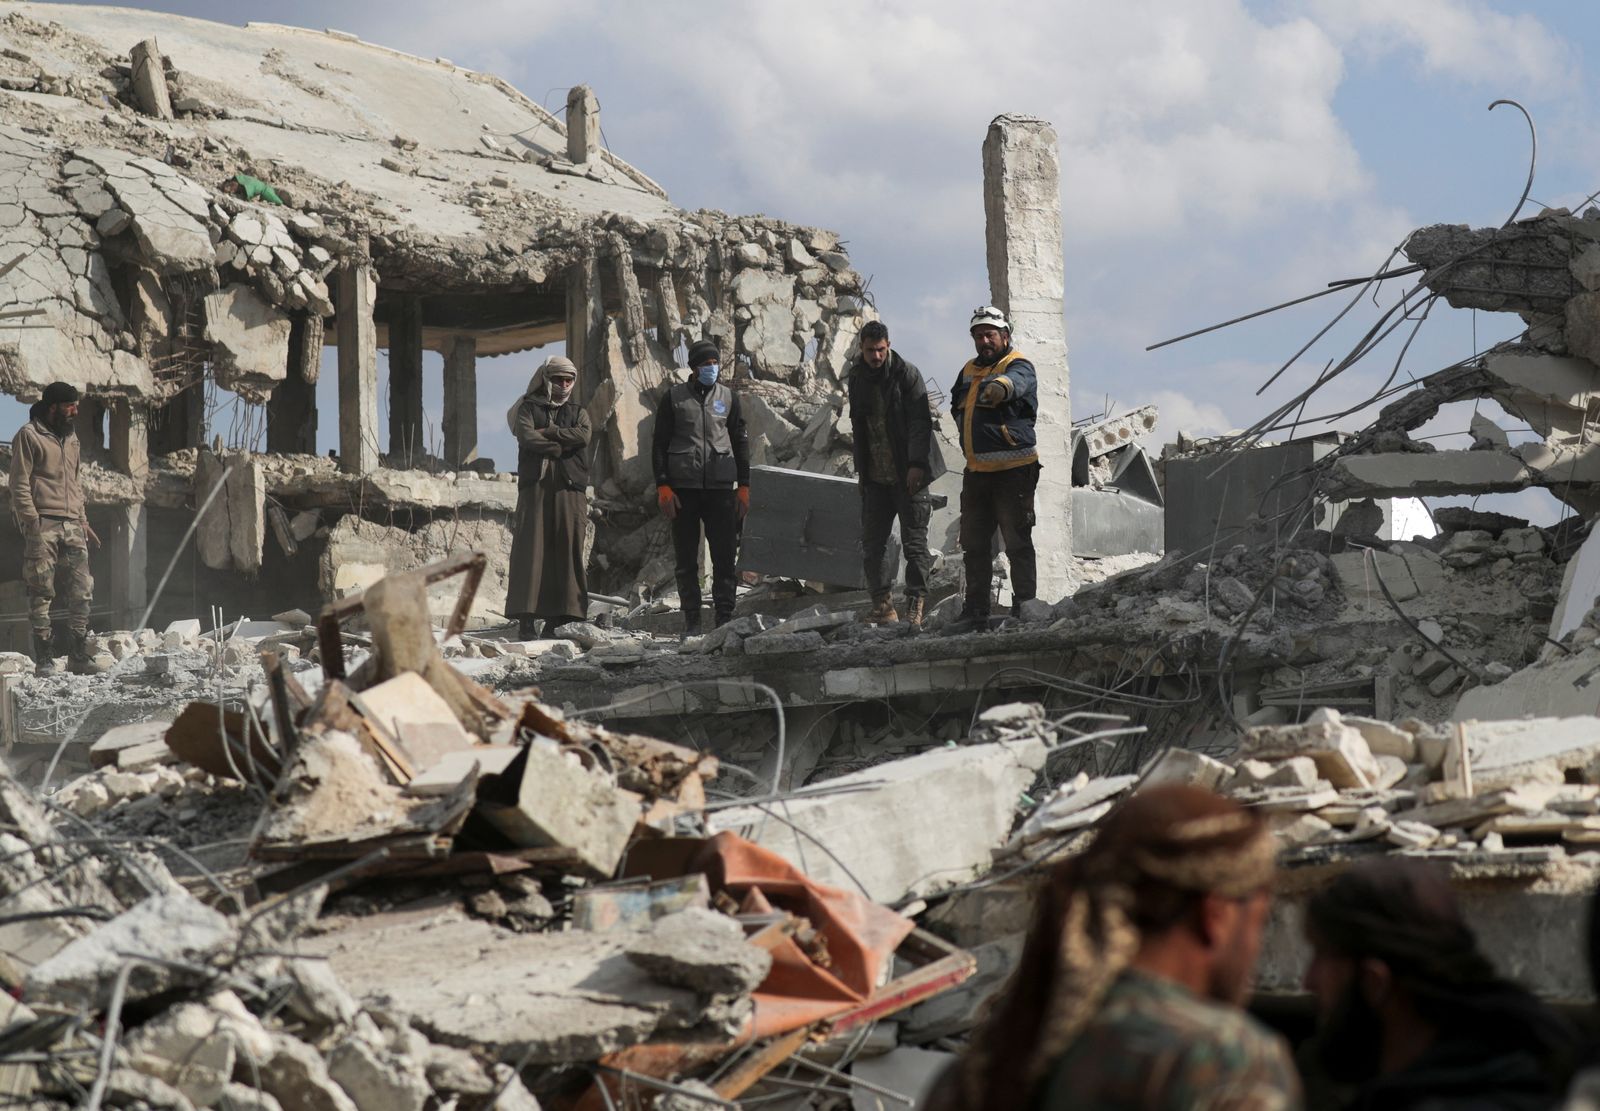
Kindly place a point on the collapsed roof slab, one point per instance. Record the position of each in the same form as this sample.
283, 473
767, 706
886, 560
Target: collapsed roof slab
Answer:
1403, 474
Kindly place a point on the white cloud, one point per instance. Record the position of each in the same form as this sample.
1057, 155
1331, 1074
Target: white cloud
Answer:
1466, 40
1181, 413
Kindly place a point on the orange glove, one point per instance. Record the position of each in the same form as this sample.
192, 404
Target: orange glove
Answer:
741, 498
667, 501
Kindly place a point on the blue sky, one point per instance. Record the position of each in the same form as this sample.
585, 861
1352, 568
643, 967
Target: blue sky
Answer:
1217, 155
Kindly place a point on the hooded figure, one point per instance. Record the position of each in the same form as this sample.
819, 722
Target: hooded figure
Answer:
546, 578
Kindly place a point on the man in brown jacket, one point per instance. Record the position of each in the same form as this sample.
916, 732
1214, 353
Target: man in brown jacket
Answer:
47, 503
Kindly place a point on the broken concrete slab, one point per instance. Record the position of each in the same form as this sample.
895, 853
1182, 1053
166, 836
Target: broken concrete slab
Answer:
953, 806
1438, 473
446, 774
554, 997
118, 738
250, 339
169, 927
1182, 766
190, 1047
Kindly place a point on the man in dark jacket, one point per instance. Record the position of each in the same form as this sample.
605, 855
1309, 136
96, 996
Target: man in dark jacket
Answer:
995, 402
896, 458
701, 453
1410, 1011
47, 503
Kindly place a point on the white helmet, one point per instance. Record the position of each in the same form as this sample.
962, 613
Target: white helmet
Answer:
989, 316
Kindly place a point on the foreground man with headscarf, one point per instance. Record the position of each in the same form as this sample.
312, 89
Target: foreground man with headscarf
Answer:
546, 577
1410, 1011
1129, 990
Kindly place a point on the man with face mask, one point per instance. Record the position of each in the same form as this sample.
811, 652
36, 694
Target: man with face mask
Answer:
546, 578
48, 506
701, 454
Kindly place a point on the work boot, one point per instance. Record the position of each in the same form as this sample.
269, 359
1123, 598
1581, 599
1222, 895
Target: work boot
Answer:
723, 617
44, 661
691, 622
527, 628
79, 662
970, 621
882, 612
914, 610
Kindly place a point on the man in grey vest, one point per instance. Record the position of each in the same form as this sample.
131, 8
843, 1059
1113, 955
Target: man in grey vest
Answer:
701, 453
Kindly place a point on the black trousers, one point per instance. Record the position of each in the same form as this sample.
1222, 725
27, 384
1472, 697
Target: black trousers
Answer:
713, 511
1002, 500
881, 505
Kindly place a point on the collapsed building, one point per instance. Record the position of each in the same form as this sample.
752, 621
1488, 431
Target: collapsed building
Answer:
425, 208
796, 855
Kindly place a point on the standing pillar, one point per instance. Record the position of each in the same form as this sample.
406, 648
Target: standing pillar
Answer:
405, 382
586, 322
130, 439
1022, 226
292, 408
89, 424
126, 542
461, 401
583, 124
358, 369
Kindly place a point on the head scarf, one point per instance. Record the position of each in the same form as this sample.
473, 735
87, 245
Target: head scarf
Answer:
537, 390
1150, 858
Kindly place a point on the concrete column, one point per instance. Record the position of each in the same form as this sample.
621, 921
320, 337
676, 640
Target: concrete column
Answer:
90, 425
586, 323
405, 382
150, 80
461, 401
292, 408
125, 540
358, 369
1022, 225
583, 124
668, 322
130, 439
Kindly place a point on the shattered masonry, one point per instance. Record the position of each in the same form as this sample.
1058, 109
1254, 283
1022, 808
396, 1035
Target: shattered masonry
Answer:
371, 862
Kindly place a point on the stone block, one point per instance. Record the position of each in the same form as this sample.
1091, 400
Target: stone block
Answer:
702, 950
249, 338
296, 1076
113, 741
951, 807
557, 802
375, 1079
1181, 766
776, 643
1383, 738
1339, 751
189, 1047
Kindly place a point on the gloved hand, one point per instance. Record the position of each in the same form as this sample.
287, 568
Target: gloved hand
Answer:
667, 501
916, 478
992, 394
741, 502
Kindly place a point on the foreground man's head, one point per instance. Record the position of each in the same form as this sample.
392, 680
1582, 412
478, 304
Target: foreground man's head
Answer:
1174, 891
1407, 1001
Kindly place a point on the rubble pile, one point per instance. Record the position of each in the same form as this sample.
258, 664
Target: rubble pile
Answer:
377, 884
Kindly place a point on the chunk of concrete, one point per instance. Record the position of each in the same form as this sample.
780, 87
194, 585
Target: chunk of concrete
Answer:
446, 774
1506, 754
1412, 474
375, 1079
950, 807
1181, 766
1339, 751
170, 927
776, 643
120, 737
297, 1077
546, 798
189, 1047
702, 950
249, 338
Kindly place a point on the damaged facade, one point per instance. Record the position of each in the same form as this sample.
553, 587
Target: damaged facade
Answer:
426, 208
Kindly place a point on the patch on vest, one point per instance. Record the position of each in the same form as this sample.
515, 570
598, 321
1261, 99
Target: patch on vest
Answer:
719, 407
